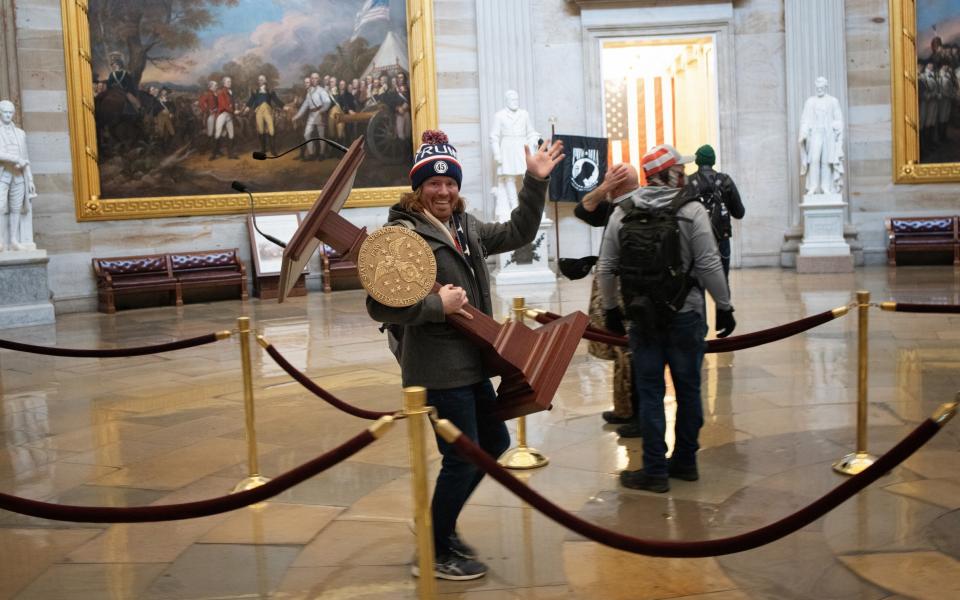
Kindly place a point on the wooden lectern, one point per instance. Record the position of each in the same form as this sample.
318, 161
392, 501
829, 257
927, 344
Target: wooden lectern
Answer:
530, 362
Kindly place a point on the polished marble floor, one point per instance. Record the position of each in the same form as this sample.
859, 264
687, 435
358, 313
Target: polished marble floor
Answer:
170, 428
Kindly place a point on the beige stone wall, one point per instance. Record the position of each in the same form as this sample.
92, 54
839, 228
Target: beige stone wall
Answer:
873, 196
70, 244
458, 92
761, 127
558, 59
759, 161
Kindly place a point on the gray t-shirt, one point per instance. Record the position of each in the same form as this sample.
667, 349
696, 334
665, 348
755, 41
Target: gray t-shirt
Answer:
697, 244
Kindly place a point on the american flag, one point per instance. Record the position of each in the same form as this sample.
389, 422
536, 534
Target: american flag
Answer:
638, 115
373, 10
616, 119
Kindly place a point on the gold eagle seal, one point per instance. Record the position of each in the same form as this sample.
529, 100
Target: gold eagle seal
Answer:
396, 266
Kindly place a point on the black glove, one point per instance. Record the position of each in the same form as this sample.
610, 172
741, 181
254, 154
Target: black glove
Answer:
725, 322
613, 321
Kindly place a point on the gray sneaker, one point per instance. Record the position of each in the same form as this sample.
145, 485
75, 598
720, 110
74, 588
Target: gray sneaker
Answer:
461, 548
454, 568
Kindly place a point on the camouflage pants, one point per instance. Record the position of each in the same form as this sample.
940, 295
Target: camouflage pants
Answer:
622, 385
622, 379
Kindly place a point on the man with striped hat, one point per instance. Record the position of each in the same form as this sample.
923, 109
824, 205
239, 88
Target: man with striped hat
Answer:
659, 246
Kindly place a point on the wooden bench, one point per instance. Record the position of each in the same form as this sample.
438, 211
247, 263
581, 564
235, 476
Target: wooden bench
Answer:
210, 268
924, 239
122, 275
171, 273
338, 273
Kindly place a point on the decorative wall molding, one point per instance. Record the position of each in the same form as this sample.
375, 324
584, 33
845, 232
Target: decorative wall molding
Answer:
714, 19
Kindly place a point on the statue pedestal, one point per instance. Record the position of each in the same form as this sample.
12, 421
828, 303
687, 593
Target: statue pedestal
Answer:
24, 289
530, 264
823, 249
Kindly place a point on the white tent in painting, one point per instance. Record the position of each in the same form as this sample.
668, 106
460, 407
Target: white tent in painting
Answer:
391, 55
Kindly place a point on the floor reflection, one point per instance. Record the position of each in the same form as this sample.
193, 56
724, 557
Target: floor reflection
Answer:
170, 428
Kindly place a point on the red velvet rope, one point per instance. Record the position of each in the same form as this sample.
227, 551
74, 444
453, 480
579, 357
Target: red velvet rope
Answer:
758, 338
702, 548
318, 391
188, 510
110, 352
737, 342
927, 308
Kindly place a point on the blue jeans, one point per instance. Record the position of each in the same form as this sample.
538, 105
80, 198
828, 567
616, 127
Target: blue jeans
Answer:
681, 347
469, 409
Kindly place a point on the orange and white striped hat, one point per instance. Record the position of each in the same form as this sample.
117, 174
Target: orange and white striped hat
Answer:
662, 157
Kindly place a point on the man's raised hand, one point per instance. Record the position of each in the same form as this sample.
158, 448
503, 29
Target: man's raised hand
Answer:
542, 162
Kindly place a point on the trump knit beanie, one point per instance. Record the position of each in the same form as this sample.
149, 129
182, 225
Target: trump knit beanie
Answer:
706, 156
435, 157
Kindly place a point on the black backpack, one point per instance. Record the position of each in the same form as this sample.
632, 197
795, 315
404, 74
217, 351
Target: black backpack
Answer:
710, 194
653, 283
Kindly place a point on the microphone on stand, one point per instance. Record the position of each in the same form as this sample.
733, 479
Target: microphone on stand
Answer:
245, 190
263, 156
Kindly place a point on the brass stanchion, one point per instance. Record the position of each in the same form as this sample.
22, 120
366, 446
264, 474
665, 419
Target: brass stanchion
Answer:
253, 479
523, 456
414, 407
855, 462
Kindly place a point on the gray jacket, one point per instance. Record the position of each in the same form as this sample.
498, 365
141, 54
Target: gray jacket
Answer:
432, 353
697, 244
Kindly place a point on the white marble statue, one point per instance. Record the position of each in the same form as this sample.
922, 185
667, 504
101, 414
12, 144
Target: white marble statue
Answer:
16, 184
821, 142
512, 130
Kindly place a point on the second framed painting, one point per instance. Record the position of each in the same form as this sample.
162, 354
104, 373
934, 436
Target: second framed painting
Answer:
169, 100
925, 76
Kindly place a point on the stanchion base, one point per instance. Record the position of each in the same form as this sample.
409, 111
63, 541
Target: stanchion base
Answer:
523, 457
854, 463
254, 481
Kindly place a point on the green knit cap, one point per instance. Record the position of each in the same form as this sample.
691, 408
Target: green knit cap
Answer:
706, 156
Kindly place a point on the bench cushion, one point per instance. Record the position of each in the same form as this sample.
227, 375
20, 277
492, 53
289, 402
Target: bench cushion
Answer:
132, 265
922, 226
209, 260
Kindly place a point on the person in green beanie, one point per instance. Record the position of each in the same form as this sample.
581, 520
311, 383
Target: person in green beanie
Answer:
719, 195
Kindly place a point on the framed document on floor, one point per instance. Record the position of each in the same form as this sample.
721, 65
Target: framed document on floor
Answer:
267, 257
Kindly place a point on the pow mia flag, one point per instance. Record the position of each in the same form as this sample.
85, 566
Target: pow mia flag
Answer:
582, 169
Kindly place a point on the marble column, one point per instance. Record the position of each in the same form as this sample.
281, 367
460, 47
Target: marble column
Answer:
9, 76
505, 60
815, 46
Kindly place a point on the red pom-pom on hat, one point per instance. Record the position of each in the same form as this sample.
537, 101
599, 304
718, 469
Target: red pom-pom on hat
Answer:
434, 137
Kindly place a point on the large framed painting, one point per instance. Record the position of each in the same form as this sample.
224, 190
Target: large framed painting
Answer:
925, 76
169, 99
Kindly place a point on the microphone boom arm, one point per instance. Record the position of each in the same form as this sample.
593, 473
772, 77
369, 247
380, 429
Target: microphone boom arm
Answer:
244, 189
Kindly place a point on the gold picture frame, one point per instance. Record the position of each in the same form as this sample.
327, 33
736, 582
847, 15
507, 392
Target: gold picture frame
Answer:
907, 167
86, 177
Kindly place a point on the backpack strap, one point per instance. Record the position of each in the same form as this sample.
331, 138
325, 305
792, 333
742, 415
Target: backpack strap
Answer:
681, 200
